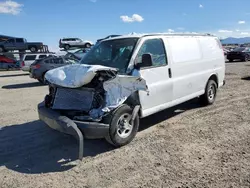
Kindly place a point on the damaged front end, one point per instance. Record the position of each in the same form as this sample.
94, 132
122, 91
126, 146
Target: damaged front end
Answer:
81, 96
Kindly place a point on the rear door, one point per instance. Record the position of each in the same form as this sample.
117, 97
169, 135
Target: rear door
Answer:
157, 76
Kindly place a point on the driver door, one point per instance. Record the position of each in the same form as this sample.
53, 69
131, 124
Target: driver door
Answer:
158, 77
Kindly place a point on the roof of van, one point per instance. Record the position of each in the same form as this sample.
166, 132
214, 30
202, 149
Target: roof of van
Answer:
140, 35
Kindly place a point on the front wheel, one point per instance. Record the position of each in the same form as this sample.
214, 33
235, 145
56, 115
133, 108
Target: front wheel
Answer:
245, 59
122, 128
210, 93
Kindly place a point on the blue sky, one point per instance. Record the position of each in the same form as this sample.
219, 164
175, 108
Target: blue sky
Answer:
50, 20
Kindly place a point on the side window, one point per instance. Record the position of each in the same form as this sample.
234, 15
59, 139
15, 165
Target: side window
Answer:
19, 40
30, 57
47, 61
42, 56
155, 47
60, 61
11, 41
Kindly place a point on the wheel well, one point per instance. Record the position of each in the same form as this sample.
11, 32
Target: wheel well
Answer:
214, 78
133, 100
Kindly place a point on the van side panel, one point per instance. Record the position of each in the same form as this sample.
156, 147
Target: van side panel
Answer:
187, 66
193, 61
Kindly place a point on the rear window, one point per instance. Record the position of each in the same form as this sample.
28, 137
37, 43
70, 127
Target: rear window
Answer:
30, 57
42, 56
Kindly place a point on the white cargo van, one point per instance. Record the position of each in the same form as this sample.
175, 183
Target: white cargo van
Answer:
129, 77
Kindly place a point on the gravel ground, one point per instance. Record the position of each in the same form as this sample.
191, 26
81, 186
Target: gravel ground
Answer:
186, 146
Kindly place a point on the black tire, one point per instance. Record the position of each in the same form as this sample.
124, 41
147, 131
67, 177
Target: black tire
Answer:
40, 80
1, 49
245, 59
67, 47
33, 49
206, 98
113, 120
231, 60
87, 45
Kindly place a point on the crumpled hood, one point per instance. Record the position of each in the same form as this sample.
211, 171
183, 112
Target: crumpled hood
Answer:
74, 76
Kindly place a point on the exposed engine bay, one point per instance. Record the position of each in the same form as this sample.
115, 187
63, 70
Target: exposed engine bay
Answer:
89, 92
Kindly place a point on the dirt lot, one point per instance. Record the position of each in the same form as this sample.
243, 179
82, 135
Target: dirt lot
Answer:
186, 146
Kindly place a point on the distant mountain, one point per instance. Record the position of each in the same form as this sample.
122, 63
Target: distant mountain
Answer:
232, 40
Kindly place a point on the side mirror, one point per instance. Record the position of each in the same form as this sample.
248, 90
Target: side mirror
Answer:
146, 61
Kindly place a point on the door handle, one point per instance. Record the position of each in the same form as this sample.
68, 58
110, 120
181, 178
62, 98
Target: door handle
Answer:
169, 72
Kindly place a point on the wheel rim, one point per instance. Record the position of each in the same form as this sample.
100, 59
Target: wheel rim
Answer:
211, 92
87, 45
33, 49
124, 127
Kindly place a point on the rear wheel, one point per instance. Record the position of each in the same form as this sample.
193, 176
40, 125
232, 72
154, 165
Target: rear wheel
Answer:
210, 93
87, 45
33, 49
122, 128
42, 80
66, 47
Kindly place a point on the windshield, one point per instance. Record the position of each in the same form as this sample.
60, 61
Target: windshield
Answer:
112, 53
239, 49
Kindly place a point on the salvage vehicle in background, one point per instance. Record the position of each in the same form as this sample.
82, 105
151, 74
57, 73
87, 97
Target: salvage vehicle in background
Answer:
68, 43
28, 59
8, 62
240, 53
20, 44
41, 66
108, 37
126, 78
78, 54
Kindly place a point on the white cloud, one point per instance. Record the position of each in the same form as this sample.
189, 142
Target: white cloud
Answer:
134, 18
244, 33
93, 1
201, 6
170, 31
10, 7
224, 31
237, 30
241, 22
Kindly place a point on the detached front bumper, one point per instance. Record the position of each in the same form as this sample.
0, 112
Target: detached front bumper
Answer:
90, 130
78, 129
